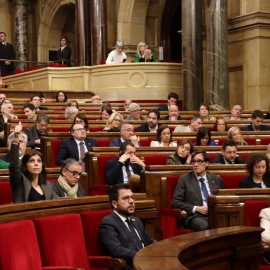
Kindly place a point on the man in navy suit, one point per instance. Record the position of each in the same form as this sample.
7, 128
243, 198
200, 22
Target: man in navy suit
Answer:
116, 231
119, 170
256, 122
172, 100
6, 52
75, 147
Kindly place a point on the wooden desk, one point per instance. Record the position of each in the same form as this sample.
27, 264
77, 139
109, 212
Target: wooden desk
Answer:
224, 249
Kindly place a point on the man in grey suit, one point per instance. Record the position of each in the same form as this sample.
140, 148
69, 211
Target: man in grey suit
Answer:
195, 123
192, 191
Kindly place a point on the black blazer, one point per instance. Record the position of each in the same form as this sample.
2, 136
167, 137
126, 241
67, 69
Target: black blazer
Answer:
114, 173
61, 193
116, 143
250, 128
7, 53
43, 108
69, 149
116, 239
248, 182
168, 118
65, 54
2, 123
144, 128
32, 135
220, 160
165, 108
5, 158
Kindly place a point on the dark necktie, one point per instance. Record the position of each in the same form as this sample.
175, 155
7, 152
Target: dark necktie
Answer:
204, 189
134, 234
128, 170
82, 150
5, 46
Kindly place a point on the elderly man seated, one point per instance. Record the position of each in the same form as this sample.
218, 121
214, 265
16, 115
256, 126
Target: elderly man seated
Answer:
173, 114
135, 113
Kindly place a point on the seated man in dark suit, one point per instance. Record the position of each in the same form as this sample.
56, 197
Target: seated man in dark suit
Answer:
256, 122
172, 100
229, 154
123, 235
192, 191
36, 101
127, 134
173, 114
119, 170
68, 184
75, 147
152, 124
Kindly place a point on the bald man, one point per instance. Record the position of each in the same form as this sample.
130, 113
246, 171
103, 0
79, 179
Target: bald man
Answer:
173, 114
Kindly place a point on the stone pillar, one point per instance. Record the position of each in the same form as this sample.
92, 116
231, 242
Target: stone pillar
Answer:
98, 24
192, 54
82, 33
217, 53
21, 32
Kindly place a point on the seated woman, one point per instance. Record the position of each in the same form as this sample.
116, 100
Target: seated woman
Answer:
70, 113
182, 156
258, 169
61, 97
204, 112
144, 53
265, 224
73, 103
106, 111
164, 137
203, 137
28, 180
81, 119
234, 133
114, 122
220, 125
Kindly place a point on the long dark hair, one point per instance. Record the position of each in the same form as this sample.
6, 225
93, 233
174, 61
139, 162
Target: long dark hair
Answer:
202, 132
56, 98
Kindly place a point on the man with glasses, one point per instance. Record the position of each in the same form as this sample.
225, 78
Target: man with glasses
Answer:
127, 134
135, 113
68, 184
75, 147
229, 154
192, 191
122, 235
6, 52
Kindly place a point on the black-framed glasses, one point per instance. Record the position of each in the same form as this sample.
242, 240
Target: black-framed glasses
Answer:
199, 161
75, 173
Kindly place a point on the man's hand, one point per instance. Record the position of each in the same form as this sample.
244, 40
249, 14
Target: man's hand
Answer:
7, 63
136, 160
189, 159
135, 140
18, 130
202, 209
12, 116
124, 157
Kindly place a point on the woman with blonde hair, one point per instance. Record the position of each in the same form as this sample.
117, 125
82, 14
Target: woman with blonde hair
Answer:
234, 133
144, 53
114, 122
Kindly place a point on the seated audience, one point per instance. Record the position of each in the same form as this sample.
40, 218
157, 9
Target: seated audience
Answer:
144, 53
73, 103
234, 133
182, 156
258, 169
96, 99
256, 122
61, 97
220, 125
229, 154
135, 113
30, 111
70, 113
126, 104
192, 191
2, 98
164, 137
204, 112
35, 133
173, 114
75, 147
195, 124
42, 98
7, 113
117, 55
203, 137
81, 119
127, 134
28, 180
106, 111
117, 232
152, 124
68, 184
119, 170
35, 99
114, 122
236, 112
172, 100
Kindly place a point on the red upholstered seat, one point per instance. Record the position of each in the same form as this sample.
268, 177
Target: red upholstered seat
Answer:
145, 143
265, 141
58, 118
95, 129
57, 65
155, 160
19, 248
253, 209
250, 141
60, 129
5, 193
6, 74
20, 71
245, 156
102, 62
55, 149
212, 156
103, 143
231, 180
33, 68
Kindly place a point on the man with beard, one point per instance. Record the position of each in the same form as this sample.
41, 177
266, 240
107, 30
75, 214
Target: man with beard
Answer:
123, 235
7, 113
152, 122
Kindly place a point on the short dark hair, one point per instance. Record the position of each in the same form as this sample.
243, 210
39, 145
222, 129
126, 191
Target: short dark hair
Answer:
159, 131
68, 163
113, 192
203, 153
205, 105
82, 117
254, 158
43, 116
155, 111
227, 143
123, 146
30, 106
3, 33
195, 117
173, 95
39, 94
35, 95
202, 132
64, 37
25, 160
56, 98
257, 113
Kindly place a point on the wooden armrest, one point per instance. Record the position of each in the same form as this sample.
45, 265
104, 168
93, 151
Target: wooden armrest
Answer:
182, 214
118, 263
265, 248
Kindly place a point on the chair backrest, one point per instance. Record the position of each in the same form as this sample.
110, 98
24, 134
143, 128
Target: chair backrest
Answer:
212, 156
96, 129
57, 65
61, 241
55, 149
171, 185
155, 160
231, 180
265, 141
5, 193
90, 223
145, 143
60, 129
19, 246
103, 143
250, 141
253, 209
101, 161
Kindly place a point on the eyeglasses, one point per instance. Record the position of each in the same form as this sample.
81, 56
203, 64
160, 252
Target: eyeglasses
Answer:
199, 161
79, 129
75, 173
127, 198
136, 110
117, 120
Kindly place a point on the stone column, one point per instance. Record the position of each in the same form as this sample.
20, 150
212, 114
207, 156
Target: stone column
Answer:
21, 32
98, 24
192, 54
217, 53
